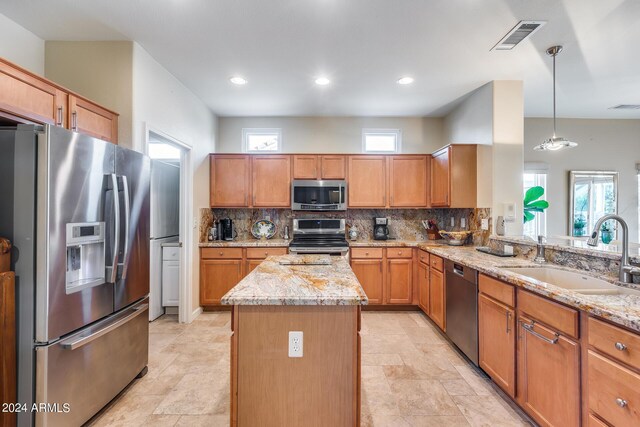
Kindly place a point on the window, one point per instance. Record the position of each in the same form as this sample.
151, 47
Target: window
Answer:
593, 195
537, 227
381, 140
638, 169
258, 140
163, 151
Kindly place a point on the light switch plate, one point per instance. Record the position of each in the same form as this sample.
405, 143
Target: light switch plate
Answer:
463, 223
295, 343
484, 224
453, 222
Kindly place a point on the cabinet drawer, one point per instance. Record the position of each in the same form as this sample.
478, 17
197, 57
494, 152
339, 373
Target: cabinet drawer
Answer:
366, 253
221, 253
557, 316
500, 291
614, 391
436, 262
423, 256
615, 342
595, 422
261, 253
170, 253
399, 252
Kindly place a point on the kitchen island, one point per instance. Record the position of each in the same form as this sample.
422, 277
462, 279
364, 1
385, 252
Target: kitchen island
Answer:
282, 379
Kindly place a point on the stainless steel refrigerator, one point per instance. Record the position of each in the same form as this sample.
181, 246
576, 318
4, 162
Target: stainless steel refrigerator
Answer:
77, 211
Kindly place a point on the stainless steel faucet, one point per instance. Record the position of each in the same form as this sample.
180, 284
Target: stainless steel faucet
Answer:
540, 259
626, 269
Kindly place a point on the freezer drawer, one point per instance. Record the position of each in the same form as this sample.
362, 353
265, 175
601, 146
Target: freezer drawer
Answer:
88, 369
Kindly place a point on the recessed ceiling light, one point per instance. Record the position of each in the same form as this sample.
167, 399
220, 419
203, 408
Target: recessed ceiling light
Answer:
322, 81
405, 80
237, 80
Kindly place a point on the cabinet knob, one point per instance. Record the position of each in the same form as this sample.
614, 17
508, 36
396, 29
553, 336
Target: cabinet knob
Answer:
399, 252
620, 346
220, 253
621, 403
266, 254
366, 253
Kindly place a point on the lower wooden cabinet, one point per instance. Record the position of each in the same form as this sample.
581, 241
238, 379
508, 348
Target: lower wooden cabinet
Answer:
370, 275
423, 287
217, 277
437, 298
548, 375
497, 342
399, 281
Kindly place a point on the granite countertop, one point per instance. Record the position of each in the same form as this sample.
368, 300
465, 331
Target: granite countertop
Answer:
622, 309
304, 284
352, 243
395, 243
245, 243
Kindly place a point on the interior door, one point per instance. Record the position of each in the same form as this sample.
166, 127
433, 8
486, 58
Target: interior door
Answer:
133, 170
77, 177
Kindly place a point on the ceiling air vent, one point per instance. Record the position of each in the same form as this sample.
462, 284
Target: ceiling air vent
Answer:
626, 107
521, 31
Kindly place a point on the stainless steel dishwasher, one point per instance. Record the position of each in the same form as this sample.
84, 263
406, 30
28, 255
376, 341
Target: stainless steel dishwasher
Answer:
462, 308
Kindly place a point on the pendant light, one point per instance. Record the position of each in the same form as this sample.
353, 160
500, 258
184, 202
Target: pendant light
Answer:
554, 143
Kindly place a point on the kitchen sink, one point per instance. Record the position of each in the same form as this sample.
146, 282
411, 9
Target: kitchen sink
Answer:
574, 281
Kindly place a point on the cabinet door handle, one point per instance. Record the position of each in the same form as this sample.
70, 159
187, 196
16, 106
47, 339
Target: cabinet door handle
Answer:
621, 402
59, 118
74, 121
529, 328
245, 199
620, 346
508, 316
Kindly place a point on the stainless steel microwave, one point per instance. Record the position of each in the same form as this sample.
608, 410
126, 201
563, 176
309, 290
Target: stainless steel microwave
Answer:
311, 195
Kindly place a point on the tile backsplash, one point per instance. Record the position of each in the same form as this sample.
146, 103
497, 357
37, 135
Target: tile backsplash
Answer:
404, 224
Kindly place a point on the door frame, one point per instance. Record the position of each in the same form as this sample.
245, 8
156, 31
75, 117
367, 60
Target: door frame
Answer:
185, 315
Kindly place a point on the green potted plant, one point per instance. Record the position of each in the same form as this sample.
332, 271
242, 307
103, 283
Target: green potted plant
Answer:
533, 204
606, 233
579, 223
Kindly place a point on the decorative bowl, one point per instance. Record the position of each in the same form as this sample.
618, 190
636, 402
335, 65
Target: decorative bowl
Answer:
456, 238
263, 229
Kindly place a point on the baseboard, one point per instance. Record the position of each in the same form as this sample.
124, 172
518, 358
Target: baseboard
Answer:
197, 312
390, 307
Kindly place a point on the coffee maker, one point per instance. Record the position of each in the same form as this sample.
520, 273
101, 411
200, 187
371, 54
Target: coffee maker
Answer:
380, 228
225, 229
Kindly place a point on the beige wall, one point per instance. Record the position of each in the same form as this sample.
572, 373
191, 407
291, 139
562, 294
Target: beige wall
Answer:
100, 71
603, 145
332, 134
21, 46
163, 104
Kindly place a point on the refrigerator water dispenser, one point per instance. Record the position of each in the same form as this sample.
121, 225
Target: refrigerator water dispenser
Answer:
85, 256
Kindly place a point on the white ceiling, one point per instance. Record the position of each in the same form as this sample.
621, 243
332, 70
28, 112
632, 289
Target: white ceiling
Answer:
364, 46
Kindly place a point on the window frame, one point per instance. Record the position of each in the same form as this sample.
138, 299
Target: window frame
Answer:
246, 132
382, 132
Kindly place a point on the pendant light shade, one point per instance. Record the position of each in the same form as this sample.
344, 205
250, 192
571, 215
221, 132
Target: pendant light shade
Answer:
554, 143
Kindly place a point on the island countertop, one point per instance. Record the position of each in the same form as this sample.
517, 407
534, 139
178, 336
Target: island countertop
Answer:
300, 282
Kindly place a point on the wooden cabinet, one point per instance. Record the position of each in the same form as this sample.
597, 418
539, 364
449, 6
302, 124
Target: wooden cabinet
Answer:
27, 97
271, 181
423, 287
367, 182
454, 176
230, 183
217, 277
312, 166
399, 281
497, 342
548, 374
333, 167
370, 275
305, 166
437, 297
91, 119
408, 181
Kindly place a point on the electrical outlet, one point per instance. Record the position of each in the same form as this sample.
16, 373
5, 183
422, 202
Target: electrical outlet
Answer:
453, 222
295, 343
463, 223
508, 250
484, 224
267, 217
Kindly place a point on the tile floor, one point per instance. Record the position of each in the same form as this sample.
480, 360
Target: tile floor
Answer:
411, 376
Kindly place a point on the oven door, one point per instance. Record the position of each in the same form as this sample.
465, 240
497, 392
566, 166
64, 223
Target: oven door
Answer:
308, 195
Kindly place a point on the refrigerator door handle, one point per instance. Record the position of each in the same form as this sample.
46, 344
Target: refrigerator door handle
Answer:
116, 242
74, 343
127, 216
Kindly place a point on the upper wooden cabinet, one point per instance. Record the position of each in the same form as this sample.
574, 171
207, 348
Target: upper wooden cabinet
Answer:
312, 166
454, 176
408, 181
91, 119
367, 182
271, 181
230, 180
30, 98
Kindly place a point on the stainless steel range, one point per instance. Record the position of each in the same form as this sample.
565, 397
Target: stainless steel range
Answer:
319, 236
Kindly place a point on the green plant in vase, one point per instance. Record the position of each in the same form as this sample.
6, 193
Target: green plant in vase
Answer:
533, 204
606, 233
579, 224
